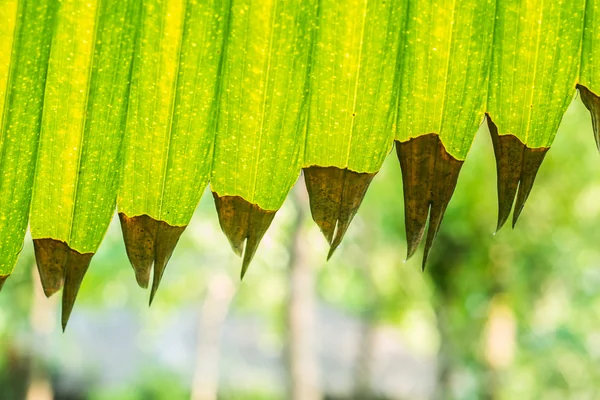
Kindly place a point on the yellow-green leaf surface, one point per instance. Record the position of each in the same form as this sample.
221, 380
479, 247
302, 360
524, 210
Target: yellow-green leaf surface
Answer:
149, 99
22, 78
170, 125
85, 106
8, 14
535, 67
446, 57
590, 54
353, 84
353, 93
589, 77
262, 108
443, 82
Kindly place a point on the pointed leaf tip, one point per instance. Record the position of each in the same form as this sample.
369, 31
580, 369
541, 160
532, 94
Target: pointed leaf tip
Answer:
51, 256
508, 151
59, 266
592, 103
335, 195
139, 236
149, 242
429, 176
244, 224
330, 252
167, 237
76, 266
3, 280
435, 220
532, 160
324, 187
516, 167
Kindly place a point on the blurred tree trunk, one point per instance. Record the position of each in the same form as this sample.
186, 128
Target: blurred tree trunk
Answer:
500, 343
444, 266
363, 367
43, 323
15, 369
459, 344
364, 362
302, 357
205, 385
446, 357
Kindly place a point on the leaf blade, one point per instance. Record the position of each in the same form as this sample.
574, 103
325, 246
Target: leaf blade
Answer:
262, 113
352, 107
170, 125
542, 39
21, 121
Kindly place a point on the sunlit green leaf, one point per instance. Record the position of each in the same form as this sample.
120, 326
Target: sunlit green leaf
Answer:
170, 124
85, 105
446, 57
535, 66
262, 108
443, 85
146, 101
8, 13
262, 112
83, 121
590, 50
22, 100
353, 92
589, 76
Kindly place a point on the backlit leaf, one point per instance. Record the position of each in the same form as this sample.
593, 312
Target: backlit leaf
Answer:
589, 77
22, 78
535, 66
353, 92
170, 125
444, 71
262, 111
85, 105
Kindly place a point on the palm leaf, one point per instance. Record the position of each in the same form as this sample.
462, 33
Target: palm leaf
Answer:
24, 67
82, 128
262, 111
143, 103
535, 66
444, 75
353, 92
170, 127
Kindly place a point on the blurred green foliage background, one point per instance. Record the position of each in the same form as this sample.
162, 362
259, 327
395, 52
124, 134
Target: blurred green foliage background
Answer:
512, 315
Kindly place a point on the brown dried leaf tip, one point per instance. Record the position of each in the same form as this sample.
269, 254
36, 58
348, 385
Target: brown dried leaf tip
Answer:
335, 195
592, 103
429, 176
241, 222
517, 166
147, 242
2, 280
59, 266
